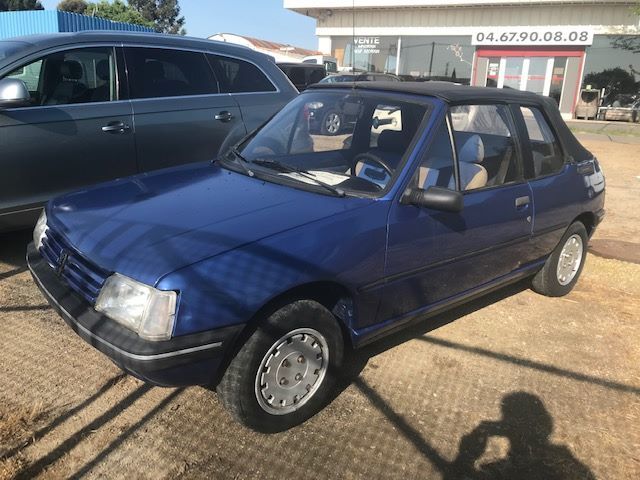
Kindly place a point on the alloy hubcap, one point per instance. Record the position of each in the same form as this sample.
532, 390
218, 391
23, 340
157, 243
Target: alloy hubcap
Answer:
292, 371
332, 123
570, 259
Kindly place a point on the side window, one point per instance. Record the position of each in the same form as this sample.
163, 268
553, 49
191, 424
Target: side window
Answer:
238, 76
436, 168
70, 77
156, 72
487, 153
545, 149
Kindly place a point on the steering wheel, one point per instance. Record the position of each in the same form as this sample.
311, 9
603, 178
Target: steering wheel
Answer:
366, 157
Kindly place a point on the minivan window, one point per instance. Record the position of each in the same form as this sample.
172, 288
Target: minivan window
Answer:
156, 73
70, 77
238, 76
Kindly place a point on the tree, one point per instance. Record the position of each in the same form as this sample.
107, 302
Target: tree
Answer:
12, 5
614, 80
74, 6
165, 14
118, 11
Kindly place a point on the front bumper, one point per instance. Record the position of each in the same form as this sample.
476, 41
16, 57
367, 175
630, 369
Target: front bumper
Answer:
186, 360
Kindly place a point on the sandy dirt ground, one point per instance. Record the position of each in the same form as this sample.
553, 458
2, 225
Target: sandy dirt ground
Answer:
514, 386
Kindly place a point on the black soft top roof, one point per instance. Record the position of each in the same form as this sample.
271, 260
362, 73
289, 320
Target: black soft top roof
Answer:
447, 91
453, 94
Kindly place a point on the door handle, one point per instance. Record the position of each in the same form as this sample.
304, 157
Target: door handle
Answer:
224, 116
522, 201
116, 127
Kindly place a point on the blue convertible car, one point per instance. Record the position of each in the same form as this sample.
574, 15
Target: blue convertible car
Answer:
256, 272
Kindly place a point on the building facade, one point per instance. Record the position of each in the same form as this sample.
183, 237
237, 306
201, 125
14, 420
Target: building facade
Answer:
548, 46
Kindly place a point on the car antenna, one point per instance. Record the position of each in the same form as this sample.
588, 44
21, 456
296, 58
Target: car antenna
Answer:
353, 43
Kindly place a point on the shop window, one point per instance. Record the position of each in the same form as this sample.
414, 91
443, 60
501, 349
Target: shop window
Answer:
446, 58
487, 154
545, 149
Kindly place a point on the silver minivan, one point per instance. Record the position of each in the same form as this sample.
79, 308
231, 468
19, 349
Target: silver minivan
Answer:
81, 108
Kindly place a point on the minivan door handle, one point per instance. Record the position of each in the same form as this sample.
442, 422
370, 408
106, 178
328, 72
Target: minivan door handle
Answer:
116, 127
224, 116
522, 201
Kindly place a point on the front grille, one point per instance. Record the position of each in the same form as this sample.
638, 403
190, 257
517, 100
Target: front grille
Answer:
81, 275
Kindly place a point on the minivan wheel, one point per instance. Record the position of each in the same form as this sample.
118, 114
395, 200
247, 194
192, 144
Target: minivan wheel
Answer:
331, 123
562, 269
285, 372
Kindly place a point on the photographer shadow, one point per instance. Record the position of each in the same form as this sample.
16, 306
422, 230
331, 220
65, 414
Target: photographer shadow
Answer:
527, 425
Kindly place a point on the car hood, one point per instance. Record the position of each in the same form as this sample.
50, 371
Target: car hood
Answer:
153, 224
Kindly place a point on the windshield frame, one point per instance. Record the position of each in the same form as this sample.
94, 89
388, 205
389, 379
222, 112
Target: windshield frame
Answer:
229, 161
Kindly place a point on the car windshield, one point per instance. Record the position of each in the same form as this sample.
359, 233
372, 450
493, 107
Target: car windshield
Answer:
341, 142
9, 48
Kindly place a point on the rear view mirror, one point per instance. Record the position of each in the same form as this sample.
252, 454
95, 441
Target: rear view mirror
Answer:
13, 93
436, 198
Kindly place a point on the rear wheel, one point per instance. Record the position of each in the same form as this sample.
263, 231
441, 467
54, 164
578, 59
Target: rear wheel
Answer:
562, 269
331, 123
285, 372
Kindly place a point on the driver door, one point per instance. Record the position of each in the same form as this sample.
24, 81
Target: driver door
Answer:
435, 256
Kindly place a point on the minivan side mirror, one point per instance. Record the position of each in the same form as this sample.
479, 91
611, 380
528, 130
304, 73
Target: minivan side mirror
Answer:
436, 198
13, 93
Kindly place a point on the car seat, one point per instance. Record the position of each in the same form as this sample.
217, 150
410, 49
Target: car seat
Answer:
68, 88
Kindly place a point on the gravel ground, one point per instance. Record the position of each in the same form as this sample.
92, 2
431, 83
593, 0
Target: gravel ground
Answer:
514, 386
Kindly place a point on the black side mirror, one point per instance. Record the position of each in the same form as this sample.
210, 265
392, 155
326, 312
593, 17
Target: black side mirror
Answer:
437, 198
13, 93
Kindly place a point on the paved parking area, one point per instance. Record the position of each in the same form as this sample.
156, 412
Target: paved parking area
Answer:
512, 386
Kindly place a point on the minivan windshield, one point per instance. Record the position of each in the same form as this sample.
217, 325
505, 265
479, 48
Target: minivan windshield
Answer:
9, 48
338, 141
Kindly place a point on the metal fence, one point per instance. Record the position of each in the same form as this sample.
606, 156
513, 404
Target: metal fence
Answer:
15, 24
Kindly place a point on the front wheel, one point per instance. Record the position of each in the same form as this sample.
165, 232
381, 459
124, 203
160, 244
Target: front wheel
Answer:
285, 372
562, 269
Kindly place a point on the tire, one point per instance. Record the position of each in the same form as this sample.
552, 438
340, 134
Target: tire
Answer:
253, 393
331, 123
555, 281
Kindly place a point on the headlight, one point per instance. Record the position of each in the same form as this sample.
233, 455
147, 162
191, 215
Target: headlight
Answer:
40, 230
146, 310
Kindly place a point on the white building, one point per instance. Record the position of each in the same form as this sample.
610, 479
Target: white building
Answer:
280, 51
546, 46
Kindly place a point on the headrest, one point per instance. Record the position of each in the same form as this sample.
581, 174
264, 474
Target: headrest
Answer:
472, 151
71, 69
103, 71
153, 70
392, 141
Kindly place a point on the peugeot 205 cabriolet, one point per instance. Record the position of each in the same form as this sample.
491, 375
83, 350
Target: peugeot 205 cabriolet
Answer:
254, 273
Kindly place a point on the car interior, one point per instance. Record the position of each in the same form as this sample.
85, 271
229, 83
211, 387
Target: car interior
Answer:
363, 157
70, 78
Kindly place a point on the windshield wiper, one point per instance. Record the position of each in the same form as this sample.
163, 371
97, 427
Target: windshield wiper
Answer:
243, 162
284, 168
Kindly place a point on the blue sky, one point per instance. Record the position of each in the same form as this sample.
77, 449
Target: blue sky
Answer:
264, 19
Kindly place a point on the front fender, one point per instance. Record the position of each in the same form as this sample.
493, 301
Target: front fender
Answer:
230, 288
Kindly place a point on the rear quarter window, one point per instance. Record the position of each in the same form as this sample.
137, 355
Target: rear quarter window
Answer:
545, 149
239, 76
